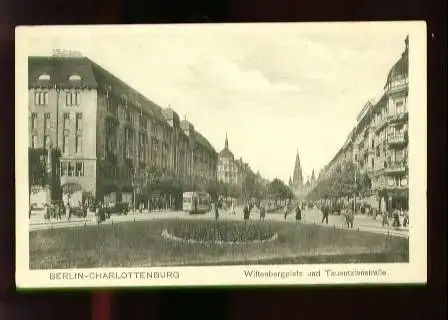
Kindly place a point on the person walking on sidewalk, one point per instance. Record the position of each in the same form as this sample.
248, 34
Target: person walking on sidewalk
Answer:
67, 211
349, 218
385, 220
406, 218
298, 214
216, 211
325, 212
396, 216
286, 211
262, 212
246, 212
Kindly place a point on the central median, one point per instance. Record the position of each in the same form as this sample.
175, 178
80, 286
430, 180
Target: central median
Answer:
142, 243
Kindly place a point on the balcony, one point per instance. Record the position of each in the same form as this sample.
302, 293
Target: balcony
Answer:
397, 85
397, 139
380, 125
398, 117
395, 168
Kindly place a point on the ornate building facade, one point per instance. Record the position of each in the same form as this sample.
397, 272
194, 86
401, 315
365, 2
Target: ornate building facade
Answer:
109, 133
378, 144
230, 170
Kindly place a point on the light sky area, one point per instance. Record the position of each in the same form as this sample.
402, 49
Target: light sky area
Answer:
274, 89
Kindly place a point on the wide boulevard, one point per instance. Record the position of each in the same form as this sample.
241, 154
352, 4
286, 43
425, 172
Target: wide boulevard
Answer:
309, 216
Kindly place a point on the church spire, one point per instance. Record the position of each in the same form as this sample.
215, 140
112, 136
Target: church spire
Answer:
226, 146
297, 178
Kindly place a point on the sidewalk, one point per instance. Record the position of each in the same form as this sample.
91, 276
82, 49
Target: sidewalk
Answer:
361, 223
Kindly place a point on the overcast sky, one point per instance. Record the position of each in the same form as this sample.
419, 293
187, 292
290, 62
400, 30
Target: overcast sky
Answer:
274, 89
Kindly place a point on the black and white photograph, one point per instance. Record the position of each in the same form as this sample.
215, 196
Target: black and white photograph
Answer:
227, 154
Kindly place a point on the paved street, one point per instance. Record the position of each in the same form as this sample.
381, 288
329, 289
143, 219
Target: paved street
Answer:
309, 216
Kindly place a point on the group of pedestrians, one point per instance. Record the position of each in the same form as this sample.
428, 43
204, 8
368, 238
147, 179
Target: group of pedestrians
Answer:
298, 211
247, 209
396, 214
57, 209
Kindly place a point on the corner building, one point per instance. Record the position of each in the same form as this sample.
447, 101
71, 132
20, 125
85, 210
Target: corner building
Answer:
107, 131
230, 170
378, 145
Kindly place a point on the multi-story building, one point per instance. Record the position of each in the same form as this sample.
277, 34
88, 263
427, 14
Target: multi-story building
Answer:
390, 123
378, 144
230, 170
107, 132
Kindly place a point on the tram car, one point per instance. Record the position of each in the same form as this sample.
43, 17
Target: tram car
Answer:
196, 202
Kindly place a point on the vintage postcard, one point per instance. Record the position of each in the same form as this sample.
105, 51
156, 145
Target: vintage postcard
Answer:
227, 154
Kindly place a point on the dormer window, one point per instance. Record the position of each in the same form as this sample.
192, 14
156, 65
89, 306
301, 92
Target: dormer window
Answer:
44, 76
74, 77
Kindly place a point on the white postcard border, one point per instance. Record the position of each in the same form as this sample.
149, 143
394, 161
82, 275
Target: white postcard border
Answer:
413, 272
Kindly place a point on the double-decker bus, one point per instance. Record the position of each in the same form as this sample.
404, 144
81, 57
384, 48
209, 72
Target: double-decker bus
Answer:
196, 202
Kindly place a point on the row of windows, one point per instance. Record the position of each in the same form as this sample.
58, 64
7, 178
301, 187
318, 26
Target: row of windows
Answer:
46, 77
72, 98
72, 168
47, 121
129, 115
65, 143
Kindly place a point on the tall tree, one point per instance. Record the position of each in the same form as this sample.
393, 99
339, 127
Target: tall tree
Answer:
37, 172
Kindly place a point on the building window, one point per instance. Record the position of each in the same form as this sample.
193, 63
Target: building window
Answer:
71, 169
67, 121
73, 98
74, 77
154, 128
78, 144
41, 98
373, 143
143, 122
47, 121
79, 169
47, 142
44, 76
129, 143
34, 141
399, 107
373, 163
64, 168
79, 121
112, 107
64, 144
129, 115
34, 120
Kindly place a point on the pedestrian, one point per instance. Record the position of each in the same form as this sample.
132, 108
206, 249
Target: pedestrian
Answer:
286, 211
385, 220
396, 222
406, 218
325, 211
298, 214
67, 211
216, 211
349, 218
262, 213
47, 214
246, 212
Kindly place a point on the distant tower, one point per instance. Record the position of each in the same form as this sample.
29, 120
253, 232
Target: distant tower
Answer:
226, 145
297, 178
290, 182
313, 177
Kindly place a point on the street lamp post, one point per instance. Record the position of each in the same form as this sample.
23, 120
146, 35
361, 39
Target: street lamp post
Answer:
134, 185
354, 200
49, 174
